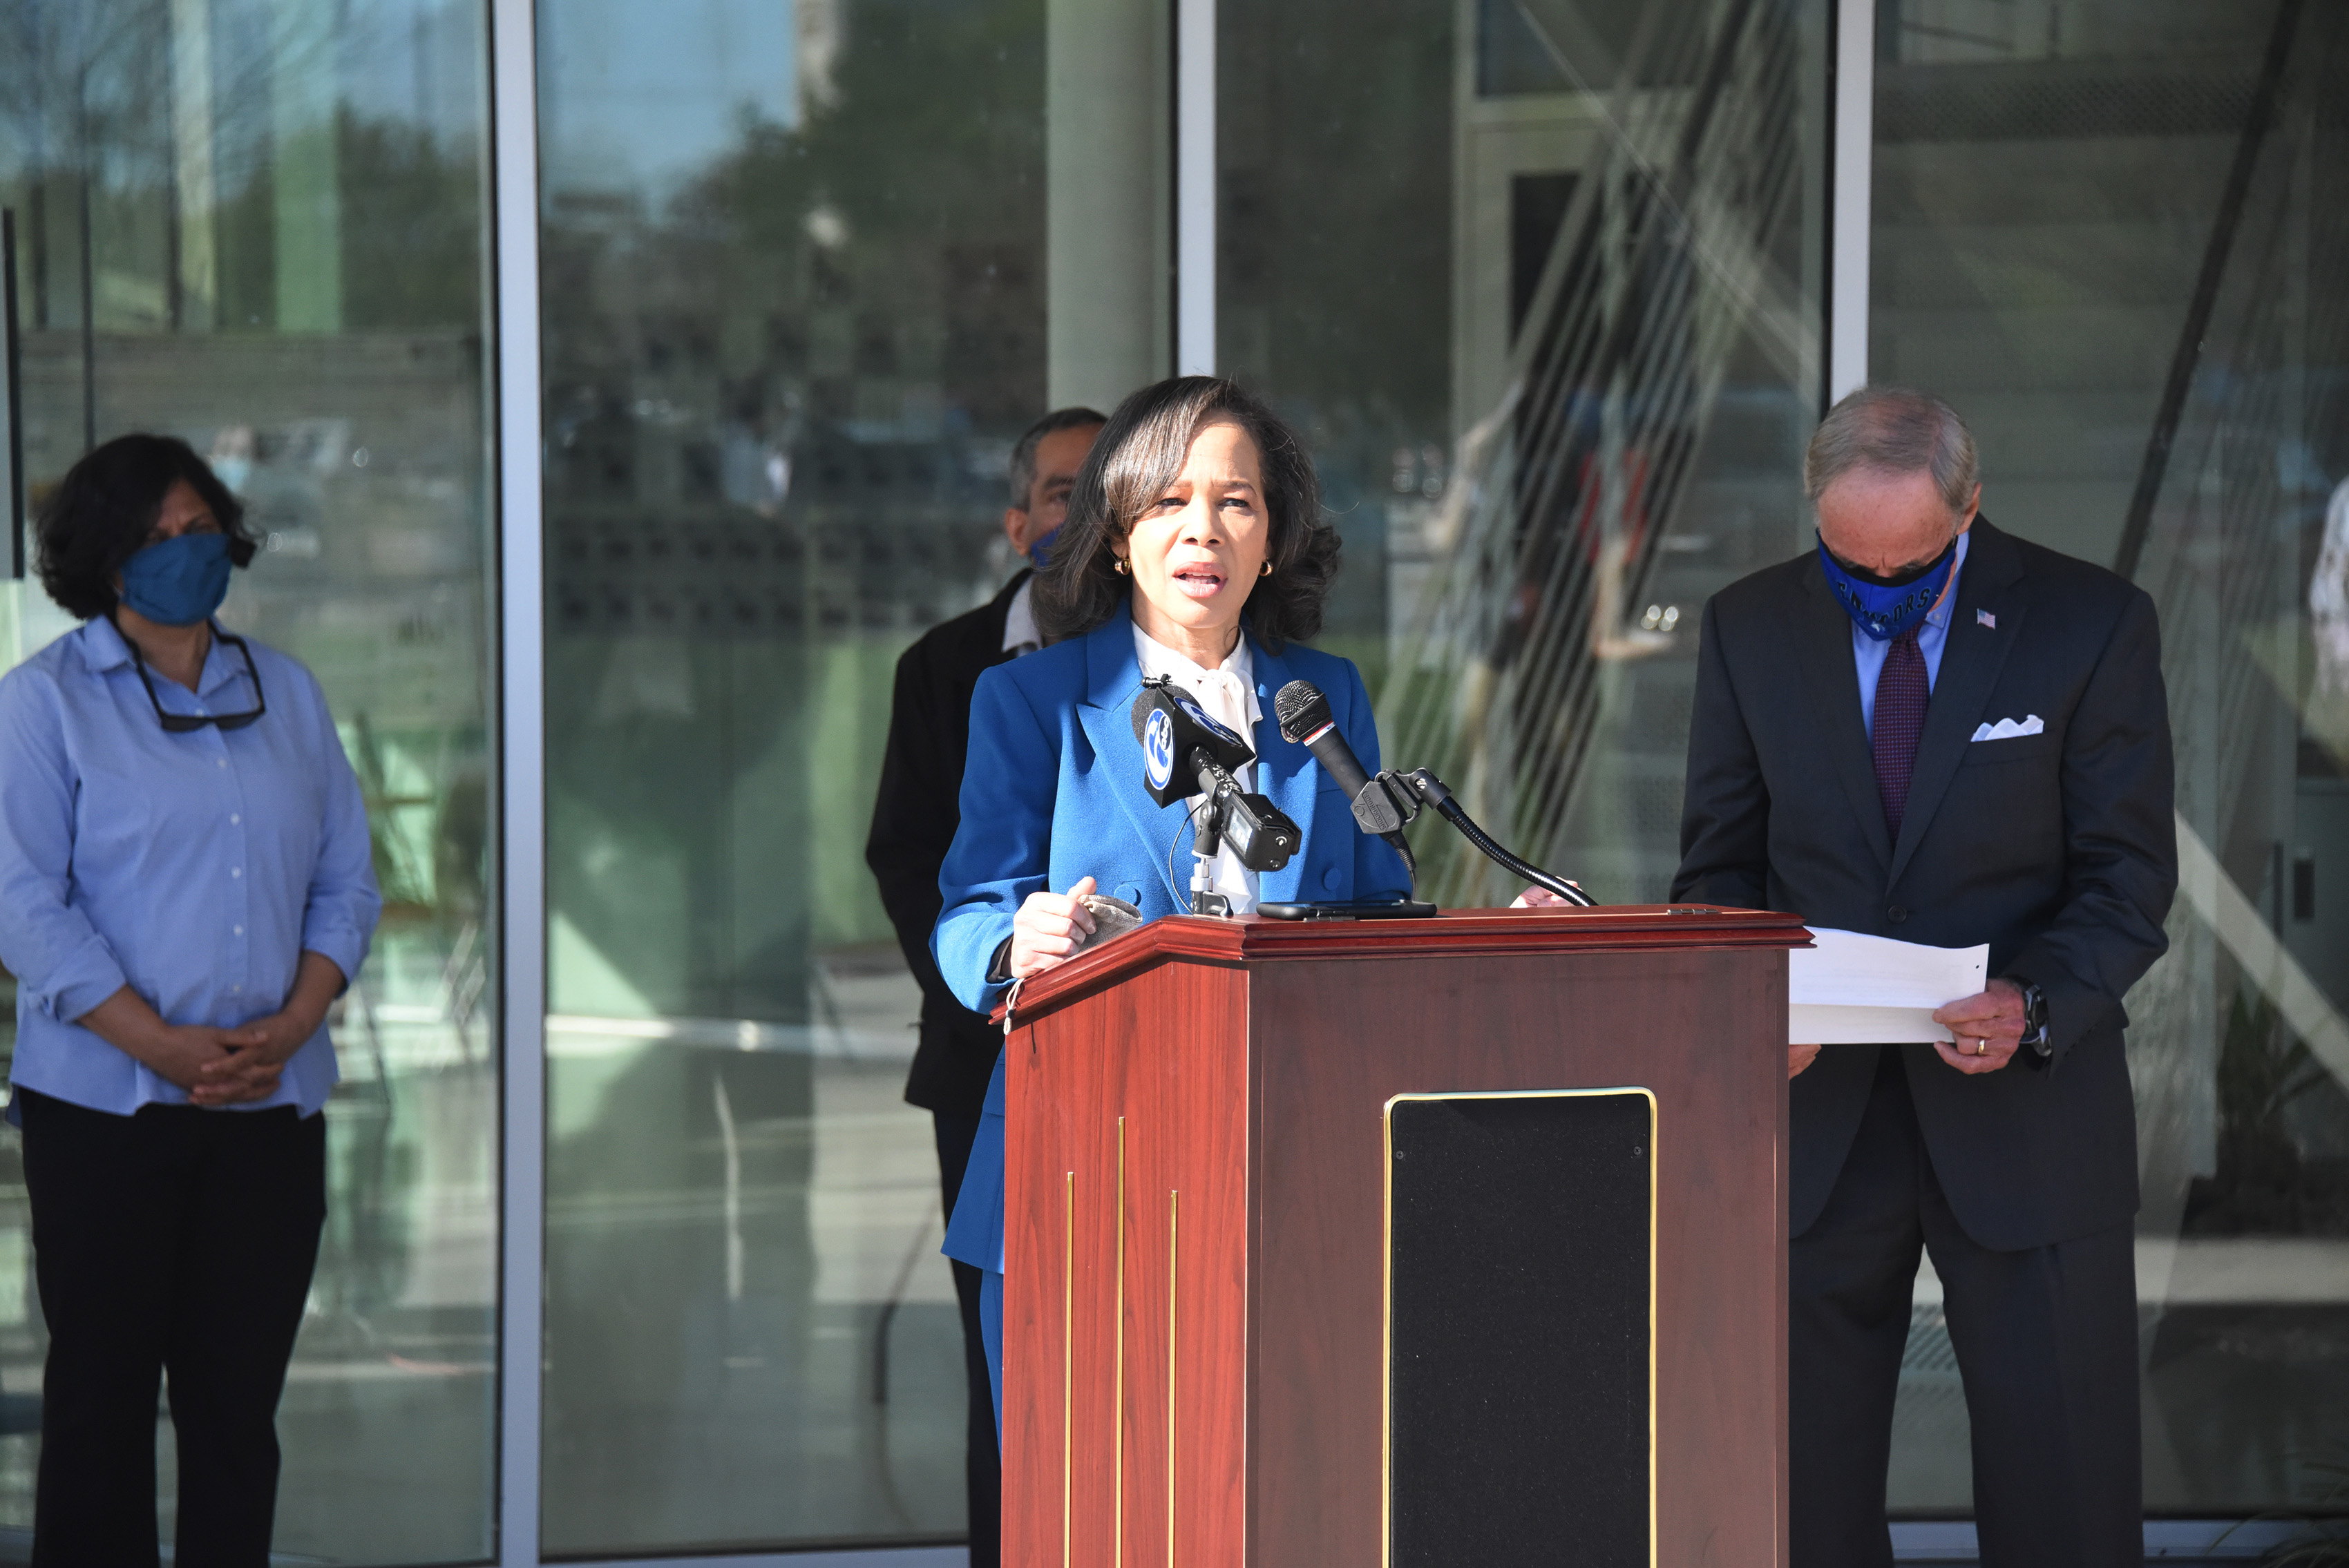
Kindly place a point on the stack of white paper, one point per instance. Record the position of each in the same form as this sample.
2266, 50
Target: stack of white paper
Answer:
1849, 989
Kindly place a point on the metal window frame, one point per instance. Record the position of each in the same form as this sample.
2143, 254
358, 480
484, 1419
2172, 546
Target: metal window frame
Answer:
522, 770
1195, 187
1851, 160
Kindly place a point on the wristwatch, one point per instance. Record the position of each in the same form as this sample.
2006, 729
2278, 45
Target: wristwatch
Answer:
2035, 1017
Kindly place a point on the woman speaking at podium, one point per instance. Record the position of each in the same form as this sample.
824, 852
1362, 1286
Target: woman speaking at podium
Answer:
1194, 549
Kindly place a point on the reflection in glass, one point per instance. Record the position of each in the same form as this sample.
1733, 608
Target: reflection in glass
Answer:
794, 314
1545, 296
256, 224
2115, 239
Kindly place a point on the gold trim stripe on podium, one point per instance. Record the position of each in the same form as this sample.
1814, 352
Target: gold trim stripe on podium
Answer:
1386, 1307
1068, 1356
1173, 1203
1117, 1418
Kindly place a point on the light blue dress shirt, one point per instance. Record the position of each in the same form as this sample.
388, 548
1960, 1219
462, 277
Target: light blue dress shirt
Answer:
1933, 636
195, 868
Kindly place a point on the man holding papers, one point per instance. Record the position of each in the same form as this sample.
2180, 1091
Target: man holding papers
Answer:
1930, 731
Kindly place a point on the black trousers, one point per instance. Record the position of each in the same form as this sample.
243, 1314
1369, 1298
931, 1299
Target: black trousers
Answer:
176, 1241
984, 1463
2046, 1346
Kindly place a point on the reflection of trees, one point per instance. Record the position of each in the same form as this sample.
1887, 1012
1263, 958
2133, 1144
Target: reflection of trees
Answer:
776, 401
96, 122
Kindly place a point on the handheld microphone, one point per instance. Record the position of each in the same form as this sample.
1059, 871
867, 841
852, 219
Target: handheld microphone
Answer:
1183, 753
1175, 732
1305, 718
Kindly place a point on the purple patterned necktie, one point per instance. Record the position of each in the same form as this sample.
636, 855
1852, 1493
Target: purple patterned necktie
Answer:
1900, 698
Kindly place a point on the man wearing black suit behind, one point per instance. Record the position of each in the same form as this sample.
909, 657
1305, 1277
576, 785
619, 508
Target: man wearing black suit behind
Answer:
1849, 760
914, 822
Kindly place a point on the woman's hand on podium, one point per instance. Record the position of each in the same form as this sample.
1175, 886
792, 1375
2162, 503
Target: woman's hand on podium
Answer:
1541, 898
1048, 929
1800, 1057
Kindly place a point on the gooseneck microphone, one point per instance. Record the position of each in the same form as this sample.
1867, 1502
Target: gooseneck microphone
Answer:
1383, 804
1305, 718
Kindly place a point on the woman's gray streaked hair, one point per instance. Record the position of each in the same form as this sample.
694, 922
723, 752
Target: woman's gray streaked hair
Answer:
1894, 430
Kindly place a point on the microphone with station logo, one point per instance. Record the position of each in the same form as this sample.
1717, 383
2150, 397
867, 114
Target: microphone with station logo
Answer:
1184, 752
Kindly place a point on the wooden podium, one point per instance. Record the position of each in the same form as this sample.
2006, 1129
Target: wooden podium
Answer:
1451, 1240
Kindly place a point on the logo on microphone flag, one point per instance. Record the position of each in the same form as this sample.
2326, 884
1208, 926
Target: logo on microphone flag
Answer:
1158, 748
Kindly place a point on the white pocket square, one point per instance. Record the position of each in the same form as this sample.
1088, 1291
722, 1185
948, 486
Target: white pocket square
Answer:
2008, 728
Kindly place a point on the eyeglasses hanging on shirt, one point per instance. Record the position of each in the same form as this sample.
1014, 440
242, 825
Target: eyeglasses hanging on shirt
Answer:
184, 723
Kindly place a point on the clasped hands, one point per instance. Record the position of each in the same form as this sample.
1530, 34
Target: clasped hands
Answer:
1988, 1025
230, 1067
215, 1066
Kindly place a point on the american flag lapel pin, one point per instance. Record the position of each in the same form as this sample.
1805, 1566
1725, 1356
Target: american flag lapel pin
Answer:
1984, 618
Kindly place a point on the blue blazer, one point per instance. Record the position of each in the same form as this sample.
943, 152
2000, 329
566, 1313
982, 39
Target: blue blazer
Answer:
1052, 794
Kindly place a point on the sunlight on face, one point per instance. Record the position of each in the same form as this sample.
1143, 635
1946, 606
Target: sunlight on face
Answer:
1196, 551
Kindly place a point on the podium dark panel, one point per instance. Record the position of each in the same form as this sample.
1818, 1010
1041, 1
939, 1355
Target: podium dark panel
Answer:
1520, 1303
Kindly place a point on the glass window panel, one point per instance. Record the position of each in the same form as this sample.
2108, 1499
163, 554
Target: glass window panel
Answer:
1541, 285
257, 225
795, 309
2114, 237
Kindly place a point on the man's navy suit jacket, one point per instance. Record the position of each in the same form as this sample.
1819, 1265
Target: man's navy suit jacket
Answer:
2058, 849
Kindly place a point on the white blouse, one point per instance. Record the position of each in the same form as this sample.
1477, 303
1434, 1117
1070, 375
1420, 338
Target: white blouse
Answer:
1228, 694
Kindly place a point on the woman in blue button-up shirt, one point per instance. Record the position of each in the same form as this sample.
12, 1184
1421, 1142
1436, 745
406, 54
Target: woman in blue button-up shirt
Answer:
185, 886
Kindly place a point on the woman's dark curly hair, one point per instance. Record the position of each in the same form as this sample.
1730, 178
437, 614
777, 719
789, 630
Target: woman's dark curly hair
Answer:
106, 505
1137, 455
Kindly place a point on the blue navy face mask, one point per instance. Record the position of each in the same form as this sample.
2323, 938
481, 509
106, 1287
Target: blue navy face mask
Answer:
1885, 610
1037, 551
178, 582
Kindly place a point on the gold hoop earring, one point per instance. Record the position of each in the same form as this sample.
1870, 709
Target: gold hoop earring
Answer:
1267, 570
1117, 562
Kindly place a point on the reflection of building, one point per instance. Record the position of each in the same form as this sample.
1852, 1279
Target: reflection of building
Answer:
1557, 287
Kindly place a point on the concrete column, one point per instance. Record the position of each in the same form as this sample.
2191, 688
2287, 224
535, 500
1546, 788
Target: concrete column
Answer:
304, 93
1109, 199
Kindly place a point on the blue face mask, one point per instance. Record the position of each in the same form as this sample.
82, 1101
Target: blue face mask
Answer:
178, 582
1886, 610
1036, 551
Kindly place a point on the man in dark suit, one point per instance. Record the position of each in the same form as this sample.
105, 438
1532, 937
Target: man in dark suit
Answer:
1851, 758
914, 822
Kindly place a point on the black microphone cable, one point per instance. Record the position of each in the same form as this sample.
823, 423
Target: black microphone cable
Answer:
1383, 804
1427, 786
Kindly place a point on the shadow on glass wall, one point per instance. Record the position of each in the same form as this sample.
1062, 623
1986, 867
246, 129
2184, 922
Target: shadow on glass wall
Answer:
256, 224
793, 275
2115, 237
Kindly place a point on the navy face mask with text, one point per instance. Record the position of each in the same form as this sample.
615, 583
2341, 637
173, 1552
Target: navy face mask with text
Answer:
1885, 610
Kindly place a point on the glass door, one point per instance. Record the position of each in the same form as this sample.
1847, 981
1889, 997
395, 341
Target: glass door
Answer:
258, 225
